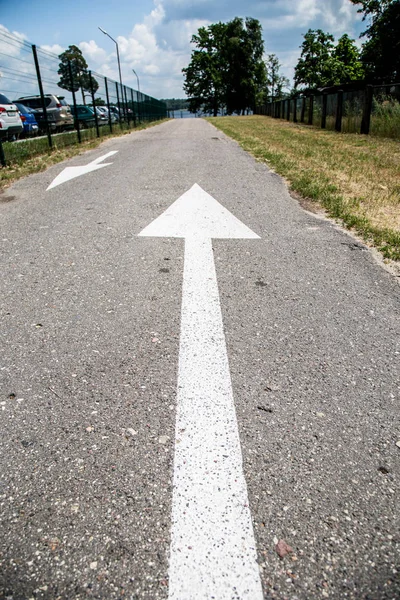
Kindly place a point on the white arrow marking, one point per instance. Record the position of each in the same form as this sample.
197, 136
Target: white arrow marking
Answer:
213, 553
72, 172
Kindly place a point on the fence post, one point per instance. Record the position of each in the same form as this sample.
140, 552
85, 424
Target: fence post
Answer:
119, 106
76, 121
288, 109
366, 118
324, 109
94, 105
138, 108
311, 110
295, 110
133, 109
145, 113
39, 78
303, 110
126, 104
339, 111
2, 156
108, 104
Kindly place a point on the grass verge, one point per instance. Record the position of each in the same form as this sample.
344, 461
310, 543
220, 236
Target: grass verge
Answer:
355, 178
33, 155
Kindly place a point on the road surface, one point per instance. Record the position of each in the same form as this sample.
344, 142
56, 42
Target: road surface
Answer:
158, 409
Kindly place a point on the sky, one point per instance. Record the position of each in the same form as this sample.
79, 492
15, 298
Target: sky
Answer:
154, 35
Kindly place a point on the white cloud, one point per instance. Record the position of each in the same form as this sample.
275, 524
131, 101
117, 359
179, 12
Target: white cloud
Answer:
92, 51
54, 48
155, 49
18, 75
335, 16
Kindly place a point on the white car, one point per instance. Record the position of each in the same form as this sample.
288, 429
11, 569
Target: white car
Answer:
102, 117
10, 121
104, 109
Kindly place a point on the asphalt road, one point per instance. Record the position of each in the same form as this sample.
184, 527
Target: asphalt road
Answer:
90, 328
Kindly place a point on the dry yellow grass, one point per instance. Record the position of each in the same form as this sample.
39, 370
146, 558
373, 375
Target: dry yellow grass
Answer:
356, 178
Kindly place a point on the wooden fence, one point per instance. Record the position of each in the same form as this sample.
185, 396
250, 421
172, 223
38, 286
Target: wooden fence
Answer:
349, 110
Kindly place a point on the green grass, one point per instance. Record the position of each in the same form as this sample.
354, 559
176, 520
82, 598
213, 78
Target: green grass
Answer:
355, 178
385, 119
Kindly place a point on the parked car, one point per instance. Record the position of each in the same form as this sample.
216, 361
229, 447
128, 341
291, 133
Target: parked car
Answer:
29, 122
102, 118
104, 109
10, 121
115, 112
58, 111
85, 115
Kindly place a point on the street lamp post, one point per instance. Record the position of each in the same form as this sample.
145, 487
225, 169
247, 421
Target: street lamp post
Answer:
119, 69
119, 64
138, 84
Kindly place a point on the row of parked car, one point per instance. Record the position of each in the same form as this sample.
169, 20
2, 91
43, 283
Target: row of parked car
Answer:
25, 117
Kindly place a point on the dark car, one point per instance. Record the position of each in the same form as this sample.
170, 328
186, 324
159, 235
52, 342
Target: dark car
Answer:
85, 115
28, 119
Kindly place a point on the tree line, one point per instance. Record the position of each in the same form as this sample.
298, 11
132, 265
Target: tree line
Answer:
176, 103
229, 72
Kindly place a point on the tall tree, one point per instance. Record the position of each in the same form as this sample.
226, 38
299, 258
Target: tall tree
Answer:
242, 64
347, 63
314, 68
276, 82
203, 76
80, 75
323, 64
381, 52
226, 68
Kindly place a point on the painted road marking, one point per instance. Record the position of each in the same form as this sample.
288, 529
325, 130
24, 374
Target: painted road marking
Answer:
213, 552
72, 172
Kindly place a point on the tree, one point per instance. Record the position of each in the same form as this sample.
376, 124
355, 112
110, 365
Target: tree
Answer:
80, 75
380, 53
243, 68
347, 64
314, 66
203, 77
226, 68
99, 101
276, 82
372, 7
323, 64
175, 103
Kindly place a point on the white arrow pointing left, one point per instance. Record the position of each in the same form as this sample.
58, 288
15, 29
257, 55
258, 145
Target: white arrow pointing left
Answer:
72, 172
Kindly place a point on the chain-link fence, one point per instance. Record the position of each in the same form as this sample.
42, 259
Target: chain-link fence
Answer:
371, 109
59, 103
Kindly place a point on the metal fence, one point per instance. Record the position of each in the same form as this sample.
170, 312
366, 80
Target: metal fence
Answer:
373, 109
29, 71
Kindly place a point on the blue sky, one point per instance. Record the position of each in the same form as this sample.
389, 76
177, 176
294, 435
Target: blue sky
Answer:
154, 35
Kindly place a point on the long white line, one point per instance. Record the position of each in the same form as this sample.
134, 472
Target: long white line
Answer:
213, 552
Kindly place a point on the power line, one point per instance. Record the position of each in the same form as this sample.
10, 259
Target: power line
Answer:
16, 58
15, 39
